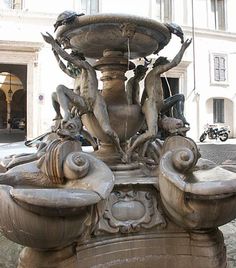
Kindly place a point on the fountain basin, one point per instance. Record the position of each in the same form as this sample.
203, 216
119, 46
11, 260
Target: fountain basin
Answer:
35, 230
53, 216
196, 199
91, 35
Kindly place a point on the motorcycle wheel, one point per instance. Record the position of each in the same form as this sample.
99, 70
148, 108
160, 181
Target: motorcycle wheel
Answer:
203, 137
224, 136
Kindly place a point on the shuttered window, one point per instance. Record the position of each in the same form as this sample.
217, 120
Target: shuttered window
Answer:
13, 4
161, 10
17, 4
218, 14
219, 68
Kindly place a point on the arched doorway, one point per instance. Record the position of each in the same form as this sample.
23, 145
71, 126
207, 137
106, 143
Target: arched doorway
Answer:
13, 98
18, 109
3, 110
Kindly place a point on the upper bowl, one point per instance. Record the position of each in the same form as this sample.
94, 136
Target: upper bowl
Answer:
91, 35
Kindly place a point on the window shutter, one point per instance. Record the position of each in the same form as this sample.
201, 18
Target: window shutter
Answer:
216, 68
219, 68
221, 14
222, 69
17, 4
167, 10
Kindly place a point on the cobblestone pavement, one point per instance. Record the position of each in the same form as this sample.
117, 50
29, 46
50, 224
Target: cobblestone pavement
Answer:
218, 153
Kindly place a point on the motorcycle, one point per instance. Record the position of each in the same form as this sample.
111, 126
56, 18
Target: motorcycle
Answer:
213, 132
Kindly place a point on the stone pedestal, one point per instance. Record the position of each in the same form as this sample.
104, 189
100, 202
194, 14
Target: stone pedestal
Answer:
61, 258
172, 247
135, 231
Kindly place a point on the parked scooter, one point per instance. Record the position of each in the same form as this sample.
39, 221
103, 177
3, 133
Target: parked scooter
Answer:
213, 132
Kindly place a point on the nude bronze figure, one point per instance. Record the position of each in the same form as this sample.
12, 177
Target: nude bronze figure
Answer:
74, 73
154, 101
132, 86
89, 100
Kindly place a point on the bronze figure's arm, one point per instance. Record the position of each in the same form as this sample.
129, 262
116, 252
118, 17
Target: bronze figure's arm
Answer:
63, 66
164, 68
79, 63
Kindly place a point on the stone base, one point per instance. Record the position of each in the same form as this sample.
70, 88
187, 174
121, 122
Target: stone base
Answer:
177, 249
164, 250
32, 258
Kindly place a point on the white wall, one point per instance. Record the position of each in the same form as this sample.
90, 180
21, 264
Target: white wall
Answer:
48, 6
132, 7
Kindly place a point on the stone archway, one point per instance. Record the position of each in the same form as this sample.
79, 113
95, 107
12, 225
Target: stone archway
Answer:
13, 108
3, 110
18, 104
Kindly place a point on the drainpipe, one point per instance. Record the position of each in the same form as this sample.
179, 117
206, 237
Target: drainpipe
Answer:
197, 95
194, 55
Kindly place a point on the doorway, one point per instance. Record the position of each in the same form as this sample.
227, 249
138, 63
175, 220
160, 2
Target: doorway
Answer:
12, 102
170, 86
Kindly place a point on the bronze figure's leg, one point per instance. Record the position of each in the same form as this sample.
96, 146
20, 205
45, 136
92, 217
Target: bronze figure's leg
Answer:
100, 112
151, 115
177, 102
89, 138
56, 106
66, 97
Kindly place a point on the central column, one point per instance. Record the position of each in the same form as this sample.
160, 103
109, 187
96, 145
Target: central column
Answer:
113, 66
124, 119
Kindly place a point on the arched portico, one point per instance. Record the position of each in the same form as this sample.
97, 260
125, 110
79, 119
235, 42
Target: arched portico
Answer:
13, 100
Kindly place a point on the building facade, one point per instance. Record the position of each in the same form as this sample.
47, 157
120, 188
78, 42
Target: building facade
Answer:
29, 73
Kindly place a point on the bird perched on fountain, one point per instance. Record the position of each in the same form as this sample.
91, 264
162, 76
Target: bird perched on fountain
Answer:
66, 17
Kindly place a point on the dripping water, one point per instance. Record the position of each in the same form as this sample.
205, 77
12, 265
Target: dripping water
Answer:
128, 47
128, 52
168, 85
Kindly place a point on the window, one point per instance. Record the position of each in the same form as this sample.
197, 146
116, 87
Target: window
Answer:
89, 7
219, 69
161, 10
218, 110
217, 17
13, 4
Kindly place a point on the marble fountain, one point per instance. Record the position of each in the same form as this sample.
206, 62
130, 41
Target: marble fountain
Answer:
136, 201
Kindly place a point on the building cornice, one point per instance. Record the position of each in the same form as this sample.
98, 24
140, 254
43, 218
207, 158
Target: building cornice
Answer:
25, 13
20, 46
208, 33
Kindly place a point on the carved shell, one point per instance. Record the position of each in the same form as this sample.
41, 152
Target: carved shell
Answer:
52, 162
183, 159
75, 166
